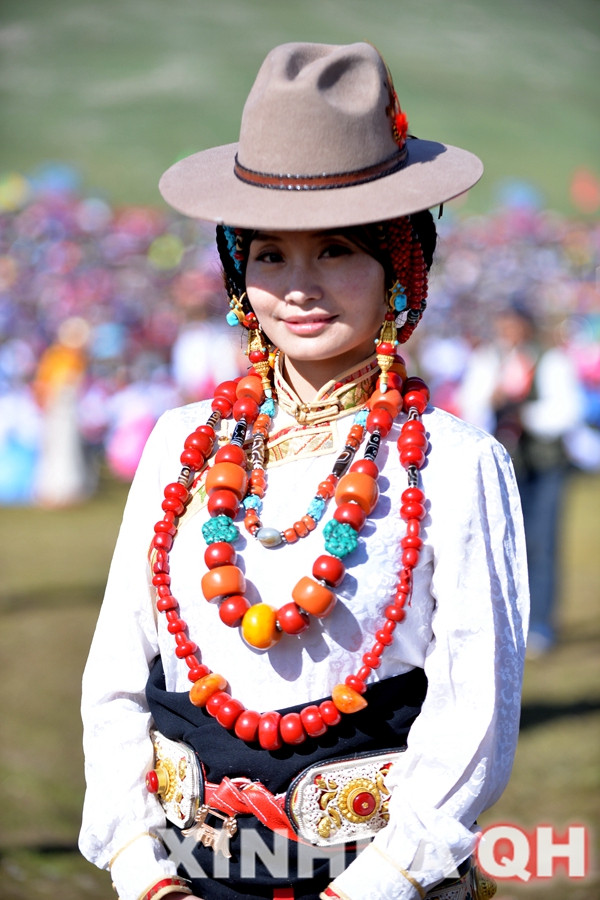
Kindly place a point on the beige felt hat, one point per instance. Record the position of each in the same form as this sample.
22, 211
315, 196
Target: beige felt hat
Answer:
321, 146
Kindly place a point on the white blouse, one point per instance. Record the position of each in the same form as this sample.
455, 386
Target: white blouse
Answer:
466, 627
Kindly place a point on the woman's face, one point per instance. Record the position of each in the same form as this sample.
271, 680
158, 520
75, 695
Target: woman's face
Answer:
317, 295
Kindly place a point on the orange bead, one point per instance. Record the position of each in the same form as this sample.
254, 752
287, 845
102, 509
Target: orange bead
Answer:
262, 421
314, 597
259, 626
356, 487
326, 490
250, 386
391, 401
300, 529
229, 476
257, 476
309, 522
257, 490
203, 689
222, 581
290, 536
347, 700
400, 369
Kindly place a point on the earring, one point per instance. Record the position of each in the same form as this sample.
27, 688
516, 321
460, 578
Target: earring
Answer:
387, 341
236, 313
258, 354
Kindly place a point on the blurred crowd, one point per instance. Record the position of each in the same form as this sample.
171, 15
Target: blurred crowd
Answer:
109, 316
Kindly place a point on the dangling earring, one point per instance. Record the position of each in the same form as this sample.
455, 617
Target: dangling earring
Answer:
387, 341
258, 354
236, 313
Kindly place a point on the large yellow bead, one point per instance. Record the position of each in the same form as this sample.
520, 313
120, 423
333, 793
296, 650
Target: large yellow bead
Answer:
203, 689
347, 700
259, 626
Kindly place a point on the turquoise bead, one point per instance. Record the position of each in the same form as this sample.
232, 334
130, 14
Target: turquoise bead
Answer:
316, 508
340, 538
232, 319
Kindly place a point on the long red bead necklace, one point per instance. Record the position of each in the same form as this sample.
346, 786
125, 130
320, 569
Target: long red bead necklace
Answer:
271, 729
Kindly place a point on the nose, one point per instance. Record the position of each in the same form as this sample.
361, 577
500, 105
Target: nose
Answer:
302, 286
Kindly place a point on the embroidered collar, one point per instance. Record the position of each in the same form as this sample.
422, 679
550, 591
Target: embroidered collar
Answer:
341, 396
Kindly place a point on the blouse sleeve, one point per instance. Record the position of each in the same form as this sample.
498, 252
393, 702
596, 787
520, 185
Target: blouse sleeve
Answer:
119, 819
461, 747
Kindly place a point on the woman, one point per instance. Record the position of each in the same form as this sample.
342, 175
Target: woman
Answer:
431, 611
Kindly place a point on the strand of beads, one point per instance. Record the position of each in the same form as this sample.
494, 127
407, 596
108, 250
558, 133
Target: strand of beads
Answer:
271, 537
270, 728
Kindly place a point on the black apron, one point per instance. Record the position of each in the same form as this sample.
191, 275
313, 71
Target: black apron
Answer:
393, 705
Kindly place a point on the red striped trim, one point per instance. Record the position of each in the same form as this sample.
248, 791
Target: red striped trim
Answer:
320, 182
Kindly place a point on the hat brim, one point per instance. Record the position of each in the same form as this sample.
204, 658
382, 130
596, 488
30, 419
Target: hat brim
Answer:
204, 186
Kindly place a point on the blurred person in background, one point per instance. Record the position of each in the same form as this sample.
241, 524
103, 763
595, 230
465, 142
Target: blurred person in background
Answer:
62, 476
20, 423
529, 397
205, 349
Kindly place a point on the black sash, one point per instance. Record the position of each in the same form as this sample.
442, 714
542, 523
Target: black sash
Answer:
393, 705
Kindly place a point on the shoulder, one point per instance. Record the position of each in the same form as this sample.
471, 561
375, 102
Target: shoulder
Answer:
184, 418
451, 433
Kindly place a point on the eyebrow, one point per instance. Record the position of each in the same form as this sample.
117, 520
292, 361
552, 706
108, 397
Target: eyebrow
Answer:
265, 236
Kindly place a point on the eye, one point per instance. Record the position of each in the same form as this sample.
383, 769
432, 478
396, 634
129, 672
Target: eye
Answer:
269, 256
332, 251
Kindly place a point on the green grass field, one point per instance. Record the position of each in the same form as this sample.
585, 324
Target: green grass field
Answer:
54, 566
121, 88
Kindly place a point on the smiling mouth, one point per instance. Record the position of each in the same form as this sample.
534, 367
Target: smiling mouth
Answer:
308, 324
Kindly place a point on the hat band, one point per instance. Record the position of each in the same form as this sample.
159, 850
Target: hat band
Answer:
320, 182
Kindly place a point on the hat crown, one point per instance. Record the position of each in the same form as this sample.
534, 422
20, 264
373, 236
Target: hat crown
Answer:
318, 109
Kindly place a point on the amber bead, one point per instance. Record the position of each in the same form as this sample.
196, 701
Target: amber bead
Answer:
259, 626
330, 569
227, 476
300, 529
222, 581
360, 488
203, 689
347, 700
290, 536
313, 597
390, 401
250, 386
